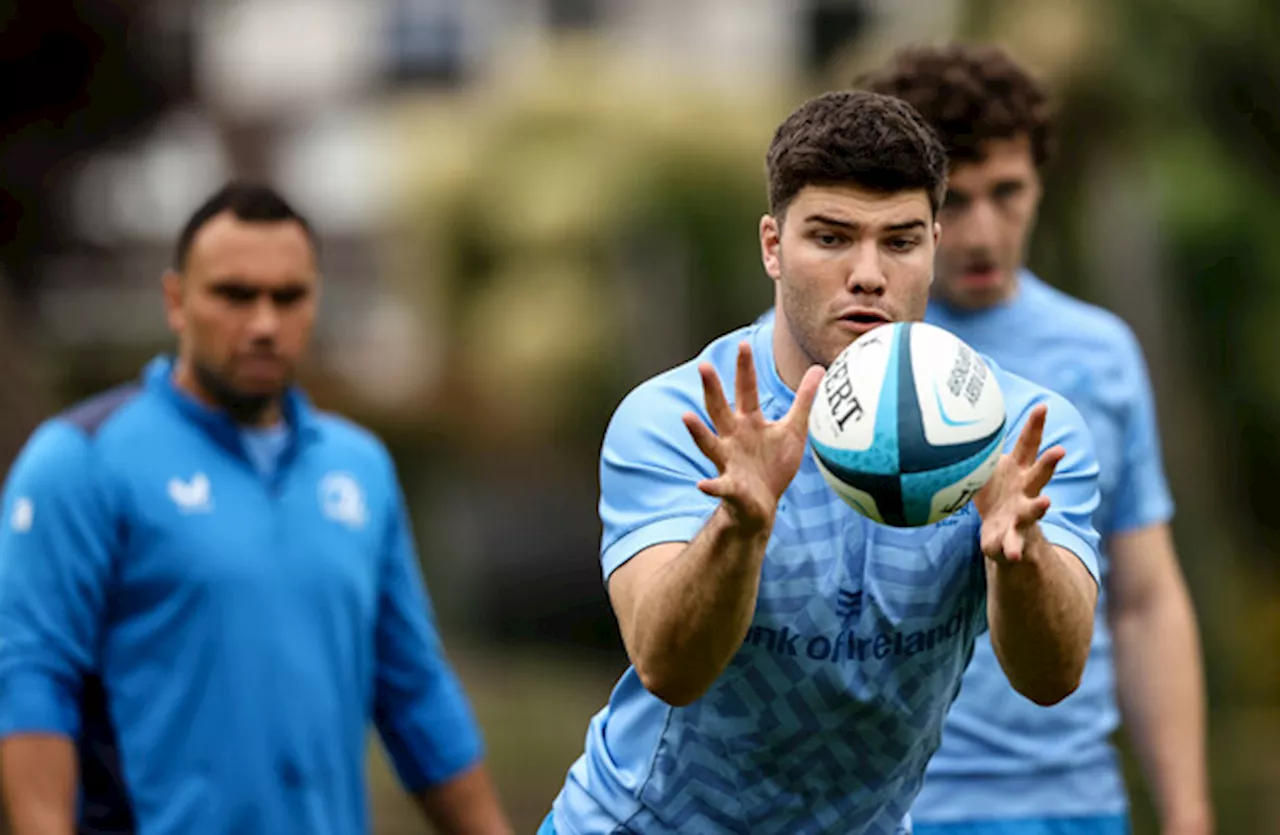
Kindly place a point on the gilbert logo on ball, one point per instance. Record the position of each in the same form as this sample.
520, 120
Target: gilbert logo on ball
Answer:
908, 424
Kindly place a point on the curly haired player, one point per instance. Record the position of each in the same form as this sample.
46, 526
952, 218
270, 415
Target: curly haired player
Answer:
1007, 766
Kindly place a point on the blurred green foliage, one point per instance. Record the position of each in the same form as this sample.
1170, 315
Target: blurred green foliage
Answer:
567, 234
575, 235
1187, 94
585, 229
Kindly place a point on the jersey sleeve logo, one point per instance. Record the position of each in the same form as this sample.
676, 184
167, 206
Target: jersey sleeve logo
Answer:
342, 500
23, 516
194, 496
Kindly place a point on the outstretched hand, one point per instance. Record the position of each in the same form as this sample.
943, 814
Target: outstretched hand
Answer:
756, 458
1010, 503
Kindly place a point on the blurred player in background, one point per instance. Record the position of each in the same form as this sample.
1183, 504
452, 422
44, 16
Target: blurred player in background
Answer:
781, 681
210, 588
1007, 766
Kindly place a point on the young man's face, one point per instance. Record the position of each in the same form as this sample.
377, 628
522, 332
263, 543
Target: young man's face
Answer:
846, 260
986, 220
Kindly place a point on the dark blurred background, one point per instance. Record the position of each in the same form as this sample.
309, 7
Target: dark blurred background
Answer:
528, 206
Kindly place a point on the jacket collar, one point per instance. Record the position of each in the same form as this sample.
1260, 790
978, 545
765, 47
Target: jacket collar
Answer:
298, 412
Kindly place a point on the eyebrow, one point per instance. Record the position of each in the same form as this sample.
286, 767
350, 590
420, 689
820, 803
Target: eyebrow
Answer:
296, 288
237, 281
905, 226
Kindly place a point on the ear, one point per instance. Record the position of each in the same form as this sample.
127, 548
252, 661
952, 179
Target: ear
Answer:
771, 246
171, 285
937, 239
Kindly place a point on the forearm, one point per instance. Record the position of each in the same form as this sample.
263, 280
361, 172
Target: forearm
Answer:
694, 616
1160, 686
465, 805
1040, 611
39, 778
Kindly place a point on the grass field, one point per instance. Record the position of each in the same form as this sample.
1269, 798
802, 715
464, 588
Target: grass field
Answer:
534, 707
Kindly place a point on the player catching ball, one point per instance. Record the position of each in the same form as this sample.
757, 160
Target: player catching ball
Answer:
1006, 767
791, 660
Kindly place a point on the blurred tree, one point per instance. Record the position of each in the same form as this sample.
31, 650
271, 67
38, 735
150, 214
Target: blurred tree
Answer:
555, 228
75, 76
1163, 206
22, 404
568, 235
575, 233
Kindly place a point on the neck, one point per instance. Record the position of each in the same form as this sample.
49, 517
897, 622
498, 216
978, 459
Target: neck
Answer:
789, 358
247, 411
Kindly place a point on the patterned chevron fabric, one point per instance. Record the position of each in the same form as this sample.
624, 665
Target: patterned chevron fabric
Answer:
825, 719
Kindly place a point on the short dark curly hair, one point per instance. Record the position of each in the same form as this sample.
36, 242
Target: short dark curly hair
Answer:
970, 94
854, 136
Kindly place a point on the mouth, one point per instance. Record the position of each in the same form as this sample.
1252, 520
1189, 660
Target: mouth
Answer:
980, 272
261, 364
863, 319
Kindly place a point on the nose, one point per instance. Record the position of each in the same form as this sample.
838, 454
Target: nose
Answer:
980, 226
866, 273
265, 321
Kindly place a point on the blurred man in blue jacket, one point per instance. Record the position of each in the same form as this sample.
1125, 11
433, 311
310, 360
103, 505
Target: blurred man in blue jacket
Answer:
208, 588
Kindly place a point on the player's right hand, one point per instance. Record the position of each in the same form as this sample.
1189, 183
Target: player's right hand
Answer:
1010, 503
756, 458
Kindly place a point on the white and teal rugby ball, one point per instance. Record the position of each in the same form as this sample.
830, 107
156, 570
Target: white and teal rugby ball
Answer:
908, 424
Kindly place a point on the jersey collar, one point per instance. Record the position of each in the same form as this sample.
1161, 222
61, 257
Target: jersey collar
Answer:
298, 412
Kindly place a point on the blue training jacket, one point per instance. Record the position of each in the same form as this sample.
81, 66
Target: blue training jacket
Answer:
217, 641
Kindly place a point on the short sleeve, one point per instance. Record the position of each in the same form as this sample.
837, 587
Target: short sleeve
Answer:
649, 473
58, 540
1142, 496
1073, 489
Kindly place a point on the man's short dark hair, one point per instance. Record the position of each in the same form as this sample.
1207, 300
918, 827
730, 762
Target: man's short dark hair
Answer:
855, 137
970, 94
248, 201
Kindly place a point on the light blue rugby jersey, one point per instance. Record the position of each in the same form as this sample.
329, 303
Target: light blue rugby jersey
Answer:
824, 720
1001, 755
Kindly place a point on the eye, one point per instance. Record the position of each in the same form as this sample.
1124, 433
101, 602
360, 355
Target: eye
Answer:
236, 293
289, 296
828, 239
903, 244
955, 201
1007, 190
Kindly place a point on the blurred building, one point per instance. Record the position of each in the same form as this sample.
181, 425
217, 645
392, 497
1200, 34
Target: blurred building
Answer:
301, 93
293, 90
121, 115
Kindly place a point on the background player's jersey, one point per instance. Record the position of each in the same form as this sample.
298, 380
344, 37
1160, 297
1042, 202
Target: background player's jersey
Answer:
1001, 755
825, 718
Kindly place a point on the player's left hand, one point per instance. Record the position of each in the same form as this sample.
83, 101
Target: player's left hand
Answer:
1010, 503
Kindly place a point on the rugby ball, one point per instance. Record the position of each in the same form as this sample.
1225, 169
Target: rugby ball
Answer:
908, 424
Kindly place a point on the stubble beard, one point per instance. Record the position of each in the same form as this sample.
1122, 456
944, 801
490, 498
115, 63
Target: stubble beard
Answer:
803, 317
244, 408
